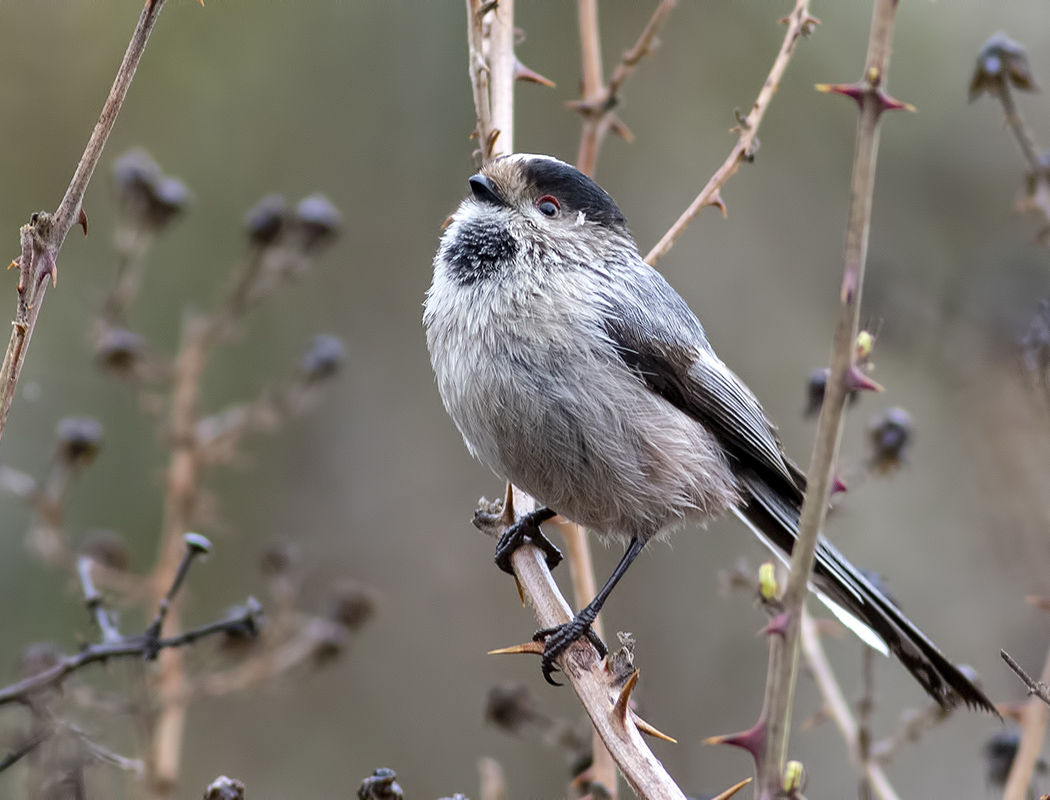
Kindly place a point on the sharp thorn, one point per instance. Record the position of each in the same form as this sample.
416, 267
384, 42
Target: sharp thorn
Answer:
54, 275
13, 264
622, 705
529, 648
523, 73
858, 381
732, 790
838, 486
778, 625
649, 730
617, 126
719, 203
753, 740
521, 591
82, 220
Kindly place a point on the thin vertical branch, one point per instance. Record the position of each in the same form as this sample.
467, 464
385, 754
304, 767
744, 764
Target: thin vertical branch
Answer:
869, 94
43, 236
490, 44
180, 501
800, 23
837, 707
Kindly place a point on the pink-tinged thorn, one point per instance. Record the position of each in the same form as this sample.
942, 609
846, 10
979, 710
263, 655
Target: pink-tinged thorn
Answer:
858, 381
893, 104
838, 486
753, 740
853, 90
778, 625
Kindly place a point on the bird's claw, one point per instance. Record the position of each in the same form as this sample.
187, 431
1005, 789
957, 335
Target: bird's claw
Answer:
559, 638
527, 529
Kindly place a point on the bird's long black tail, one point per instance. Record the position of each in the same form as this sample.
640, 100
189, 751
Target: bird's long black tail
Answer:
775, 520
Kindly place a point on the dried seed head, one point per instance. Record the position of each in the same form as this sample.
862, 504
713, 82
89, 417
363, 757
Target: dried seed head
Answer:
513, 708
999, 753
280, 558
107, 548
267, 220
319, 222
323, 359
351, 604
889, 436
237, 639
225, 789
148, 198
79, 440
120, 352
136, 175
1001, 61
39, 657
815, 388
381, 785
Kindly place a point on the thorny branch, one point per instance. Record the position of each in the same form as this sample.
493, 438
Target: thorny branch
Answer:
598, 102
490, 39
872, 100
1034, 718
43, 236
800, 24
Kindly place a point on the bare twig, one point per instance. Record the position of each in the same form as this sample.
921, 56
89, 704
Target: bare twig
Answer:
871, 98
915, 725
43, 236
800, 23
139, 646
838, 709
1033, 729
598, 101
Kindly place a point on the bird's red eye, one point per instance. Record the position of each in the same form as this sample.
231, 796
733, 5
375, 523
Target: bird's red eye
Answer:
548, 205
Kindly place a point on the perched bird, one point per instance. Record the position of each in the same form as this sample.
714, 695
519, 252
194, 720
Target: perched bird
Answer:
575, 371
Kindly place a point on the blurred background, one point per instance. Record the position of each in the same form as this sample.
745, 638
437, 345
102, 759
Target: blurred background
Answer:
370, 104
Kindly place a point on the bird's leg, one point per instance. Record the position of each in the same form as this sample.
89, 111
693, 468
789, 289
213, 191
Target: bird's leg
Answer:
527, 529
559, 638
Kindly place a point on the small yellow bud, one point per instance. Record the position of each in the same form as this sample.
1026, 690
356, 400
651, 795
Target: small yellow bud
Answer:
865, 343
794, 776
767, 582
873, 75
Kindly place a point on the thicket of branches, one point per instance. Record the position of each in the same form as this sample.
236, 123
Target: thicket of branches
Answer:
253, 643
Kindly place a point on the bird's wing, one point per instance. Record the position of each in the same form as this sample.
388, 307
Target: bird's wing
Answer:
659, 338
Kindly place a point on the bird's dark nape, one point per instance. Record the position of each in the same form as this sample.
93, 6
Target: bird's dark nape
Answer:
775, 520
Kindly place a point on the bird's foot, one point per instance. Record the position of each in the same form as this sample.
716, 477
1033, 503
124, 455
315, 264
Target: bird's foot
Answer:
527, 529
559, 638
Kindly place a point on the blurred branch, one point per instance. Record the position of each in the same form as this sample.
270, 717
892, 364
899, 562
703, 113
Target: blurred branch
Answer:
145, 645
1033, 729
598, 101
800, 24
837, 707
780, 687
43, 236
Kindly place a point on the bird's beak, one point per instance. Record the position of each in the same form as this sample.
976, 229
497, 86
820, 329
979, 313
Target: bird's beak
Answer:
484, 191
